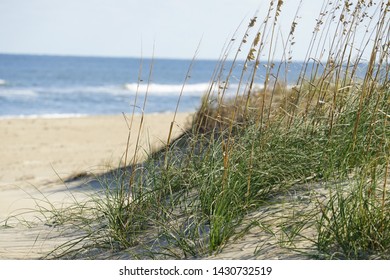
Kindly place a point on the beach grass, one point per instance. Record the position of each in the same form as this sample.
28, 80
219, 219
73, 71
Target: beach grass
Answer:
258, 148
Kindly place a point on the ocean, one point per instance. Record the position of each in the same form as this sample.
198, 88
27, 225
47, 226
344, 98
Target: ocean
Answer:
61, 86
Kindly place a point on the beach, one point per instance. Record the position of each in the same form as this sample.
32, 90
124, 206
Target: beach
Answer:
279, 149
38, 151
38, 154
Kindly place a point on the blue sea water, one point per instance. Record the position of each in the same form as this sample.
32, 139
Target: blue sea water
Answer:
34, 86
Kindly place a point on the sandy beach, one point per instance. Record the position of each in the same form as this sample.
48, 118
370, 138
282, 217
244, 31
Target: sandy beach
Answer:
39, 151
37, 154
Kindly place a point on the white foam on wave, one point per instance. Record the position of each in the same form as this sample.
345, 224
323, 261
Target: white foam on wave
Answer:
19, 93
2, 82
195, 90
168, 89
114, 90
153, 89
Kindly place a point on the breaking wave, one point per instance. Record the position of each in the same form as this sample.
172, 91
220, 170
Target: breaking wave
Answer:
168, 89
17, 93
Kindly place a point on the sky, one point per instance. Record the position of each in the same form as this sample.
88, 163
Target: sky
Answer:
134, 28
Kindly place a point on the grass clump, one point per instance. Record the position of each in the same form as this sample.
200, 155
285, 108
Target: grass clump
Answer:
355, 223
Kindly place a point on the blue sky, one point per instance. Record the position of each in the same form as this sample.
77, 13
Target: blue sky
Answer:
131, 27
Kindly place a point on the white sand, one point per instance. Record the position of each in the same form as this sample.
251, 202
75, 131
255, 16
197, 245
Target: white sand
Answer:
36, 151
35, 154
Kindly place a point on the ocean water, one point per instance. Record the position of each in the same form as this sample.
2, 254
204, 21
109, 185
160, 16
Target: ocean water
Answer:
57, 86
